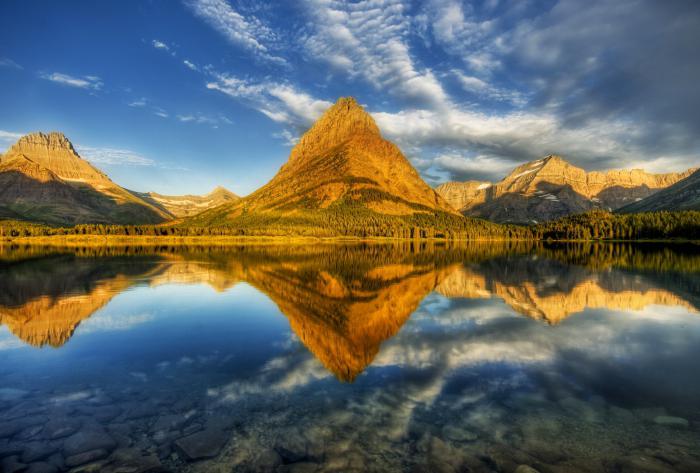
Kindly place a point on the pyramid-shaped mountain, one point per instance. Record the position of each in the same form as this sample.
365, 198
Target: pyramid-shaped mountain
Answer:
550, 188
341, 165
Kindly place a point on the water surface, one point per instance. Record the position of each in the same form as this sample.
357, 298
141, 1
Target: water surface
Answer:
350, 358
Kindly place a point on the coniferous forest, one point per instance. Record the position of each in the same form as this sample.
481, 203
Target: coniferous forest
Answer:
594, 225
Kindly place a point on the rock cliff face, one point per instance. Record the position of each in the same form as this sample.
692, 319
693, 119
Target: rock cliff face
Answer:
683, 195
462, 194
342, 161
550, 188
43, 178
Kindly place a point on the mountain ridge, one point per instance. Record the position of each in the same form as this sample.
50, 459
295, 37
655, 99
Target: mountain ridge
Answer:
683, 195
550, 188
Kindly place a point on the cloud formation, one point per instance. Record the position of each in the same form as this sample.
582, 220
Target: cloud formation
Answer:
479, 88
369, 39
83, 82
282, 103
247, 32
7, 62
160, 45
114, 156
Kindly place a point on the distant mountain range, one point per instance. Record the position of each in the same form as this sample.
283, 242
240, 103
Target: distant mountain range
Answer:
341, 173
550, 188
42, 178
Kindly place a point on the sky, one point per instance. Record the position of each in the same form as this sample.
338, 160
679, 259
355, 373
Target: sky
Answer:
180, 96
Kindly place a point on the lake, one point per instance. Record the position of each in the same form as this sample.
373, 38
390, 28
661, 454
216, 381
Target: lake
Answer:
413, 357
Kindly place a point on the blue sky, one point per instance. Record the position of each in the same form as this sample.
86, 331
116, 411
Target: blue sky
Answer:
178, 97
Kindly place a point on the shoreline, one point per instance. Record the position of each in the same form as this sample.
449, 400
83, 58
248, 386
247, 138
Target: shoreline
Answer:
121, 240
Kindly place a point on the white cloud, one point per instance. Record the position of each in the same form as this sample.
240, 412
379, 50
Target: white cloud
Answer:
484, 89
95, 155
514, 136
453, 26
160, 45
462, 143
289, 138
9, 136
202, 119
102, 322
369, 39
190, 65
7, 62
114, 156
84, 82
248, 32
142, 102
280, 102
457, 164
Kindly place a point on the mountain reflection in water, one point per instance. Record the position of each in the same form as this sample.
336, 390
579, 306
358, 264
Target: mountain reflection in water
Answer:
440, 367
344, 301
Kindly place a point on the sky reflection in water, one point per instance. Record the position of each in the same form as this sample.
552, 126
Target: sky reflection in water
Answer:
334, 358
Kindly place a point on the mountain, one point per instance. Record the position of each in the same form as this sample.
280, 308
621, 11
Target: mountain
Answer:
179, 206
550, 188
460, 194
683, 195
44, 179
342, 164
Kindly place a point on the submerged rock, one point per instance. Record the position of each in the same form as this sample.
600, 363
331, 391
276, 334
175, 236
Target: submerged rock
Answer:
42, 467
525, 469
131, 460
642, 464
204, 444
12, 465
86, 457
169, 422
458, 435
90, 438
35, 451
671, 421
60, 427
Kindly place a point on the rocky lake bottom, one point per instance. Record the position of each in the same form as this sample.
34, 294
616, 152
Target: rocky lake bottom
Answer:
350, 359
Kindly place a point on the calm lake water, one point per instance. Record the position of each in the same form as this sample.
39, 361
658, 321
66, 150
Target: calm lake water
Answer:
578, 358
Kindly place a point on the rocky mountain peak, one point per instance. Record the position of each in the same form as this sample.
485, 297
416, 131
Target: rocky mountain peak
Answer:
55, 152
50, 141
344, 120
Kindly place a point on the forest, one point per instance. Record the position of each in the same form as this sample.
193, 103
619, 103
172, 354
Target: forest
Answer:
594, 225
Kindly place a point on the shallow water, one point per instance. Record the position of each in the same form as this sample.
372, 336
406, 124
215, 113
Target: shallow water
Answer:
351, 358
